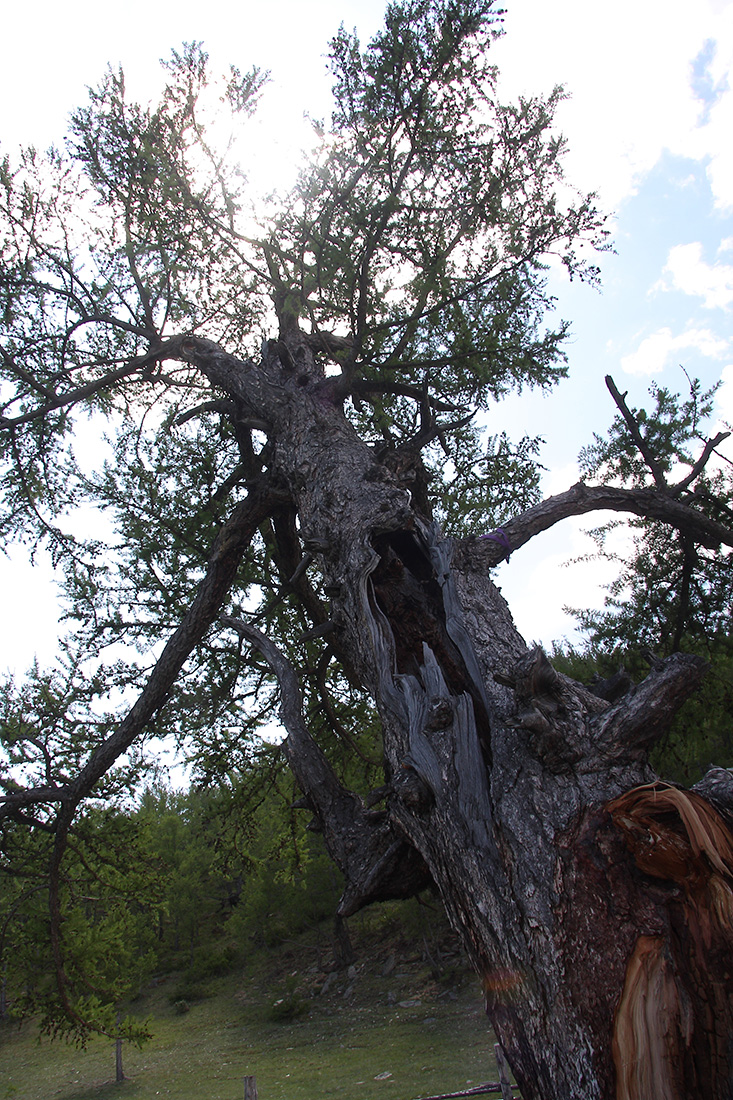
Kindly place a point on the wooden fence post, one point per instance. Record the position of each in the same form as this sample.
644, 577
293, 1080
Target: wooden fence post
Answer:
501, 1062
250, 1088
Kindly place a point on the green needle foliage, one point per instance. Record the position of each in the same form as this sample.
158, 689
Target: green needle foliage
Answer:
110, 901
416, 236
671, 593
413, 248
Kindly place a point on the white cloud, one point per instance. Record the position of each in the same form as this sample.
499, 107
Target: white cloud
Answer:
626, 67
654, 351
713, 139
559, 478
628, 70
686, 270
720, 166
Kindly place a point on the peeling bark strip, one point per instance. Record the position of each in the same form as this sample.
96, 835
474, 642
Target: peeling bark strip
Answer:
669, 830
672, 1033
651, 1029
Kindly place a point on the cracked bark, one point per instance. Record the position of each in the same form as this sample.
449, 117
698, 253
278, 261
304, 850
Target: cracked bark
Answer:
502, 791
503, 777
582, 498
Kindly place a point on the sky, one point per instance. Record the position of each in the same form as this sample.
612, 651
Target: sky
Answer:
648, 118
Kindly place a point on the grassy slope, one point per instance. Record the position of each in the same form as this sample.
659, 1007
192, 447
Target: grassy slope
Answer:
428, 1032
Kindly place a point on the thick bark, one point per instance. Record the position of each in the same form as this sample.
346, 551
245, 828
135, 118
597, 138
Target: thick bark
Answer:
580, 499
525, 799
506, 781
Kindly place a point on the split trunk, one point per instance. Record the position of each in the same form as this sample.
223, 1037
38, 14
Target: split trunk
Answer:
595, 903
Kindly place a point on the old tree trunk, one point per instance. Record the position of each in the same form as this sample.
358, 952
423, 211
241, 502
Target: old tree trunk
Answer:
594, 903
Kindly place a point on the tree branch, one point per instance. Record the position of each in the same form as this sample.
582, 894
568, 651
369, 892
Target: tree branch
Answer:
581, 498
635, 434
376, 861
364, 386
170, 349
222, 406
701, 463
233, 538
645, 713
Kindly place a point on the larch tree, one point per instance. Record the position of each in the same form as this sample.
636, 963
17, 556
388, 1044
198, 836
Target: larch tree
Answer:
294, 504
670, 593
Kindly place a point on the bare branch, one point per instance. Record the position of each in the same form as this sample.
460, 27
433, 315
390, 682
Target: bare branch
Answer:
636, 435
581, 498
701, 462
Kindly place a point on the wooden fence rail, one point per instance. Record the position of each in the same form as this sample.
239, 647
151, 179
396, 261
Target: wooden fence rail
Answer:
475, 1090
503, 1085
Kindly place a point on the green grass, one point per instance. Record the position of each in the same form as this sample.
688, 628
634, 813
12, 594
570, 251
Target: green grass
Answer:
344, 1041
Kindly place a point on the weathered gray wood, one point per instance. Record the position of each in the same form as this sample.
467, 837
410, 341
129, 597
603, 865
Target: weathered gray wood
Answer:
477, 1090
497, 770
506, 1088
250, 1088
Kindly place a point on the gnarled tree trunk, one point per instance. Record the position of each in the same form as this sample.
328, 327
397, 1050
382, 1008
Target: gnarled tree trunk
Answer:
595, 903
594, 906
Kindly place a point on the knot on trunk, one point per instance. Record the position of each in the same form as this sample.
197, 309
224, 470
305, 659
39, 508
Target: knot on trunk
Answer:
542, 713
614, 687
412, 789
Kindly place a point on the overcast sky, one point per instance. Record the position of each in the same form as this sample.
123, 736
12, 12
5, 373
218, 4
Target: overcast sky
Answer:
649, 119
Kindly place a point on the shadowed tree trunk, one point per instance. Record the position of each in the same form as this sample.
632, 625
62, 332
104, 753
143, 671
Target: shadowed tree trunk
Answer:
526, 800
119, 1071
595, 902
